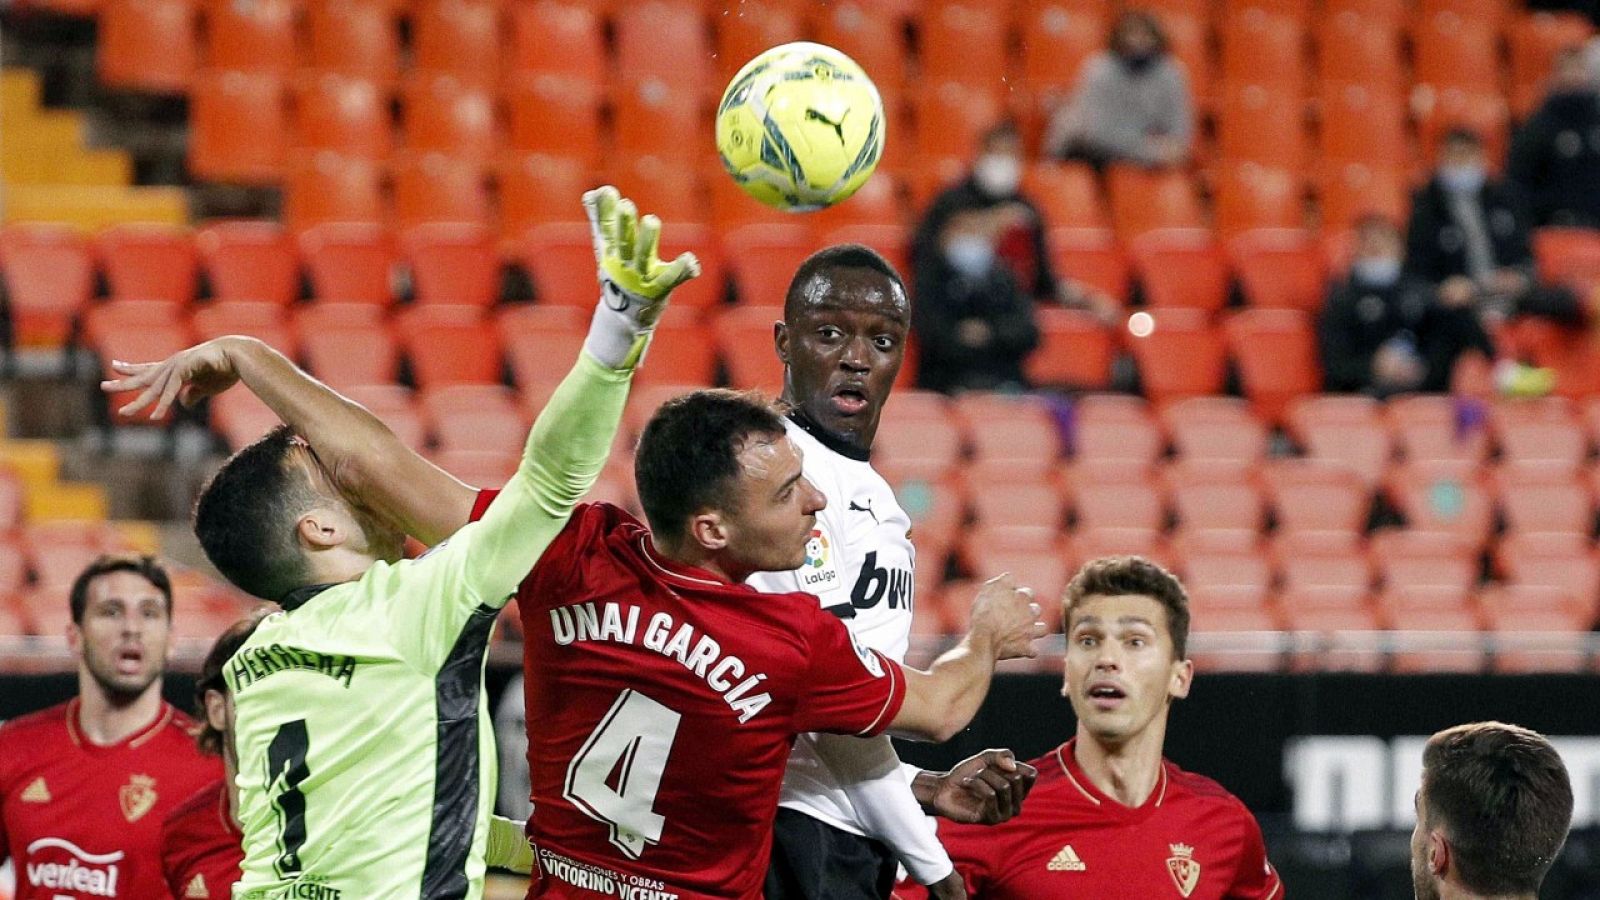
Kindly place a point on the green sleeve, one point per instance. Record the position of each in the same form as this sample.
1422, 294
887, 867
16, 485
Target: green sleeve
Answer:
477, 570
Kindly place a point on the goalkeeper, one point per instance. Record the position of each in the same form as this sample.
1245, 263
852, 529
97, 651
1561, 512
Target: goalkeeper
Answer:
366, 753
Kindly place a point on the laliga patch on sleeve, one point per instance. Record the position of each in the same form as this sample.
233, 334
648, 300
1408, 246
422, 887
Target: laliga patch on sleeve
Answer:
819, 572
869, 660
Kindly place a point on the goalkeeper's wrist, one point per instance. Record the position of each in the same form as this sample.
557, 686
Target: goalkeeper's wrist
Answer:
616, 339
508, 846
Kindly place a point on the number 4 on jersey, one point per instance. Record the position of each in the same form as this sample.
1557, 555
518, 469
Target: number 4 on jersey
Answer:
616, 774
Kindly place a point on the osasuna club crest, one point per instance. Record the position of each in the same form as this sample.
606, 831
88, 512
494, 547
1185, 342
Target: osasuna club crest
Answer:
1184, 870
137, 797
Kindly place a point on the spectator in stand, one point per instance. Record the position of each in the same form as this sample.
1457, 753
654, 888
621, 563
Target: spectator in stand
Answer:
1132, 103
974, 325
994, 184
1383, 332
1469, 236
1555, 155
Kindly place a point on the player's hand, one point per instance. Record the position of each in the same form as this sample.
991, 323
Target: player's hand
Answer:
188, 376
633, 278
1008, 618
985, 789
950, 887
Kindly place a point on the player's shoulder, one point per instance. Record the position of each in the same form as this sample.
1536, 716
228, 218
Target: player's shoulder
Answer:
180, 724
200, 803
50, 720
1198, 788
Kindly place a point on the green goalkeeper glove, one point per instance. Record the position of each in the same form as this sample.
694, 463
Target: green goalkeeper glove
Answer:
508, 846
634, 282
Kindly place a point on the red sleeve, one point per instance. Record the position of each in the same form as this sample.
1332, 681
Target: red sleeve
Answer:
847, 689
480, 504
1254, 878
170, 866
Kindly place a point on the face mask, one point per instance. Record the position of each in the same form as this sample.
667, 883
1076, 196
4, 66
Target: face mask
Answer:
997, 174
1466, 179
969, 255
1376, 271
1140, 62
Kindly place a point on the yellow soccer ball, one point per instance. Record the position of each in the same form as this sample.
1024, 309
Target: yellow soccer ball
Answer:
800, 127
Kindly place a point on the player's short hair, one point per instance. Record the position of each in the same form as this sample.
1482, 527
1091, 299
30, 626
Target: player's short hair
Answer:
839, 256
143, 565
210, 677
688, 455
1004, 130
1111, 576
1502, 796
246, 514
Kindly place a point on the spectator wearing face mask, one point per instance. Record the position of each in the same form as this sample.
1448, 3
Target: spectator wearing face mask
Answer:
973, 324
1469, 235
1383, 332
1132, 103
1555, 155
994, 185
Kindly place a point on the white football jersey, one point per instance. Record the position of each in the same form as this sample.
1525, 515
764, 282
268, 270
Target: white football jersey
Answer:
859, 564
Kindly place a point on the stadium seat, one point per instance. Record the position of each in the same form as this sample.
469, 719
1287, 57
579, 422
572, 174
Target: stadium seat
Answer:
533, 102
1555, 443
1348, 430
763, 259
137, 341
1016, 435
1408, 559
1189, 39
1017, 502
679, 353
1348, 191
1563, 561
892, 241
652, 119
1310, 495
149, 262
878, 202
1362, 123
1540, 499
449, 344
1429, 427
555, 38
963, 112
1322, 559
240, 418
1208, 495
1106, 430
871, 36
147, 45
105, 319
256, 318
662, 187
249, 260
756, 27
1536, 38
1086, 544
1182, 356
1215, 429
393, 404
963, 41
1276, 353
347, 114
359, 38
1451, 52
238, 121
1264, 47
744, 340
1180, 268
1535, 629
1489, 13
1443, 496
642, 29
560, 257
437, 188
349, 263
249, 37
915, 446
452, 264
330, 188
1485, 113
49, 275
537, 190
1360, 48
1091, 257
1567, 256
1279, 269
1448, 639
1147, 199
445, 113
461, 37
1075, 350
1252, 196
13, 566
1044, 571
1225, 579
733, 209
1057, 39
474, 417
1068, 195
348, 344
1263, 124
13, 491
540, 342
1116, 506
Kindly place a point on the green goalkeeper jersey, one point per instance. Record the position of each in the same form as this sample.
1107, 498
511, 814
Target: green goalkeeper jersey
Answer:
366, 756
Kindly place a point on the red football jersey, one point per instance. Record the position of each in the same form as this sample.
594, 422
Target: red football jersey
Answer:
1192, 840
81, 820
201, 847
662, 703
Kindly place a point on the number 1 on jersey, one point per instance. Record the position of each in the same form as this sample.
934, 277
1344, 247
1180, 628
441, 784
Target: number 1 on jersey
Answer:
616, 774
286, 762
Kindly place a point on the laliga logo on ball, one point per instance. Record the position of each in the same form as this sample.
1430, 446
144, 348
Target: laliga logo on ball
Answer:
800, 127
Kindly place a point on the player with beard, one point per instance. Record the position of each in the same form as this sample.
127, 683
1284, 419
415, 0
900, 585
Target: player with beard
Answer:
847, 813
1492, 813
84, 786
1110, 817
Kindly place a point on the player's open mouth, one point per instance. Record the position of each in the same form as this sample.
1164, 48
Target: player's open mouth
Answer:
849, 401
1105, 695
129, 661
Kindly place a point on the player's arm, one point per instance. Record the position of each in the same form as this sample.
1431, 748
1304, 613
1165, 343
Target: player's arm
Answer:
941, 701
1254, 877
869, 772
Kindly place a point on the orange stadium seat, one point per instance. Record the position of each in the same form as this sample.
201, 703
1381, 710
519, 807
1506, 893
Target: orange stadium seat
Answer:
359, 38
1563, 561
750, 31
149, 262
350, 263
238, 121
106, 318
452, 263
1012, 435
1207, 496
256, 36
963, 41
1251, 196
1189, 37
1067, 195
538, 190
642, 29
1092, 543
13, 566
449, 344
147, 45
710, 289
871, 36
1280, 269
1319, 559
1090, 256
1347, 430
539, 340
249, 260
1310, 495
1147, 199
1556, 443
1567, 255
892, 241
393, 404
1276, 353
1057, 39
348, 344
144, 341
474, 417
1536, 38
763, 259
1540, 500
1264, 124
917, 446
536, 101
1348, 191
1406, 558
1445, 497
1264, 47
1180, 268
1556, 642
560, 257
1114, 428
1436, 427
877, 203
240, 418
49, 275
330, 188
732, 208
12, 493
1364, 124
652, 119
1453, 52
1120, 505
1044, 571
1228, 580
438, 188
461, 37
1182, 356
1075, 350
1210, 429
1007, 502
343, 113
554, 38
744, 338
1357, 48
446, 114
679, 354
963, 113
256, 318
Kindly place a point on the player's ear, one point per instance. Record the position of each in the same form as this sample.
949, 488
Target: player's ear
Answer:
1438, 853
780, 341
321, 528
1182, 679
217, 710
709, 530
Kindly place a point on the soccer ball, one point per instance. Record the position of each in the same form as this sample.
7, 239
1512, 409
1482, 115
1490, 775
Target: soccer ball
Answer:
800, 127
